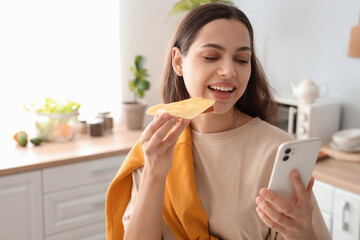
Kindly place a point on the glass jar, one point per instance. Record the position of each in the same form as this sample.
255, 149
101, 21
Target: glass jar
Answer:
96, 127
56, 127
108, 121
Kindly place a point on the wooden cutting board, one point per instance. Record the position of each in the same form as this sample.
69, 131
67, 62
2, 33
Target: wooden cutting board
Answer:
354, 43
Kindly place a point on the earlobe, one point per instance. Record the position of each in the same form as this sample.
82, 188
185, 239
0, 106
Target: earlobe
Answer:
177, 61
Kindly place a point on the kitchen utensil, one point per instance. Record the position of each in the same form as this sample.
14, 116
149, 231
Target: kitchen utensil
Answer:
354, 41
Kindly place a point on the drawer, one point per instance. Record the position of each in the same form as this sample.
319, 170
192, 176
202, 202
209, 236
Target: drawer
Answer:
324, 195
79, 174
91, 232
73, 208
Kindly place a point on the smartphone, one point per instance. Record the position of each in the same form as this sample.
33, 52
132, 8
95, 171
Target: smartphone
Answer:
300, 155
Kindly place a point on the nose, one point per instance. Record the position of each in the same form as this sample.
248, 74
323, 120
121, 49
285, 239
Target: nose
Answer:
227, 69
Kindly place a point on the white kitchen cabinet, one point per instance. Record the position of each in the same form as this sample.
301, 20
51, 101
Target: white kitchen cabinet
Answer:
74, 198
90, 232
324, 195
75, 207
21, 206
340, 209
346, 217
65, 202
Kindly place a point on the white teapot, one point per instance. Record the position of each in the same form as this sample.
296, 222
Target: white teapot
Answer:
307, 90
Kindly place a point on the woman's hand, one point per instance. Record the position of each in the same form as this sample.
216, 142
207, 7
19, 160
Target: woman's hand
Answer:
292, 219
158, 143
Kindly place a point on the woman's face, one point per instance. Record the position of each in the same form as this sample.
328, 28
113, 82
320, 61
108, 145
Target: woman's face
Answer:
217, 64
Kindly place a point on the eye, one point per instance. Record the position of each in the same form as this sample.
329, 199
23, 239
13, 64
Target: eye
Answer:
210, 58
243, 61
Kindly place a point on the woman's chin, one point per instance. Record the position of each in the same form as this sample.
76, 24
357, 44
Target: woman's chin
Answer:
221, 109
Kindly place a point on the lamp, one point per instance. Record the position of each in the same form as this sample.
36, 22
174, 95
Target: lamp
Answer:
354, 42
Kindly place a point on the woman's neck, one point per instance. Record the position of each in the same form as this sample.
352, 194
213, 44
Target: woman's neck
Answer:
212, 122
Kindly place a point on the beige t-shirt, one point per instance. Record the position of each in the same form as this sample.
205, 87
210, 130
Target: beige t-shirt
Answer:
230, 169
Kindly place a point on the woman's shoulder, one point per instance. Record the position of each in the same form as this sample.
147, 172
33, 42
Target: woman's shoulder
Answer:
269, 132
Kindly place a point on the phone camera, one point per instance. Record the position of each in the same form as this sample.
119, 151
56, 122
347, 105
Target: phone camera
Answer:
286, 158
288, 150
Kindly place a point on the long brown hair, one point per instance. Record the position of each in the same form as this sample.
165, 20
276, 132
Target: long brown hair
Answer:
257, 100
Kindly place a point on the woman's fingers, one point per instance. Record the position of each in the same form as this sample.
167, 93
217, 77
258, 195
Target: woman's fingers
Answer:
280, 204
270, 223
176, 131
270, 212
163, 130
292, 218
310, 186
154, 126
300, 189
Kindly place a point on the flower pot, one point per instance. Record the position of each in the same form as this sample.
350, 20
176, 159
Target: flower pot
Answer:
134, 114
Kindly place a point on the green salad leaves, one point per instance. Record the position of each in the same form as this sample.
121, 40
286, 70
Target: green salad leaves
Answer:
52, 106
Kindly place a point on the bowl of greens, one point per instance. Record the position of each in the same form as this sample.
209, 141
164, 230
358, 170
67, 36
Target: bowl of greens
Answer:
54, 121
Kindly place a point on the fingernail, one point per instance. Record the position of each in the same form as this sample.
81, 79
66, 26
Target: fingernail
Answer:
264, 193
259, 200
177, 121
166, 116
185, 121
296, 174
258, 209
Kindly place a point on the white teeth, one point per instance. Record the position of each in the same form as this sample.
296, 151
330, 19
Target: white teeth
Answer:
224, 89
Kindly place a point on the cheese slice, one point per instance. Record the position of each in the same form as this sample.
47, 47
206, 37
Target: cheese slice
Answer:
187, 109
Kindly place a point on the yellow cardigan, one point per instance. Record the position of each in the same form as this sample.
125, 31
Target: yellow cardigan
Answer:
183, 211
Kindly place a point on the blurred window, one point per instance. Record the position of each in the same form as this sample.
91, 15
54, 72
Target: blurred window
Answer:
63, 49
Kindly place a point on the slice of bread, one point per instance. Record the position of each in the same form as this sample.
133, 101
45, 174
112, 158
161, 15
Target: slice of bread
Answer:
187, 109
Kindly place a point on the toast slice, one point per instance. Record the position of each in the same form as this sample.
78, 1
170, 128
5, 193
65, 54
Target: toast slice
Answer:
187, 109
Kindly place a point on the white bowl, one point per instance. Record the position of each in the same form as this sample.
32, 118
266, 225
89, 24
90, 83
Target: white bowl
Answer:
349, 138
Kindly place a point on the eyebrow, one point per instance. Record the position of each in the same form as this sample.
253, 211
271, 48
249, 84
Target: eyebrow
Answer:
221, 48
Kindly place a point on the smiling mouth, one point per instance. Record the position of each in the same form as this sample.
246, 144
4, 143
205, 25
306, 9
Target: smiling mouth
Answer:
222, 89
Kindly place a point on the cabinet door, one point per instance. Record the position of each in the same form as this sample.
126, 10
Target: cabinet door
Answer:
81, 174
74, 208
21, 206
90, 232
324, 196
346, 218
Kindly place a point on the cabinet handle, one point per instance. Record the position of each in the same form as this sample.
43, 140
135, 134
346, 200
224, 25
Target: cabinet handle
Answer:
99, 203
345, 206
102, 170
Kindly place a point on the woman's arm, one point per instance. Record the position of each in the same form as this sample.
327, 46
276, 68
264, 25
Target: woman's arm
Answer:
158, 146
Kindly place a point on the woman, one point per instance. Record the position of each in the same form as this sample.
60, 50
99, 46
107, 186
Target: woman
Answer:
205, 178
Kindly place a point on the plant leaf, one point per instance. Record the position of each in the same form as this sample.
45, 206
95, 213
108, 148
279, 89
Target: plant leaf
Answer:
140, 93
139, 62
143, 85
186, 5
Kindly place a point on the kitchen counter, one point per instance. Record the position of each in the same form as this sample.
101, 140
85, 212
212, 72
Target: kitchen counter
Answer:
17, 159
345, 175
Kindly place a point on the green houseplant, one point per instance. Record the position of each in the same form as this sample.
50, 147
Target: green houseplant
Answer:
134, 111
139, 84
185, 5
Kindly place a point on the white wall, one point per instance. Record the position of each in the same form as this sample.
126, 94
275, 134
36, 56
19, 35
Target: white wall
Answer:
294, 40
145, 29
297, 39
